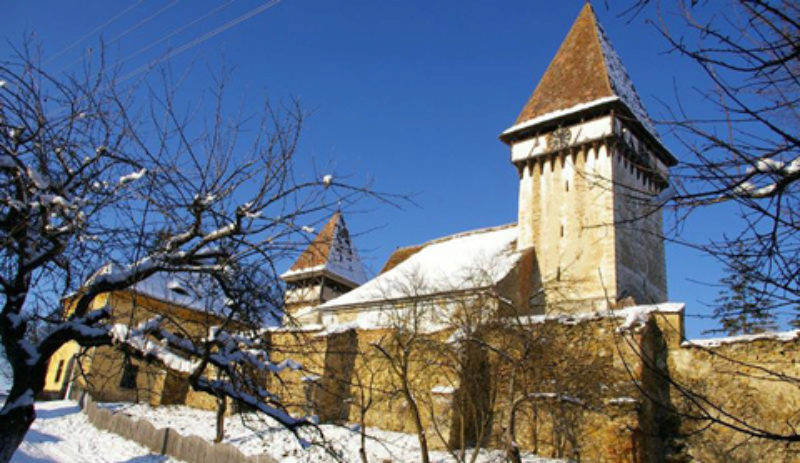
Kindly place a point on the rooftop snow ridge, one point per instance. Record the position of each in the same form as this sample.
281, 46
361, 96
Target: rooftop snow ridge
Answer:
621, 83
464, 234
558, 113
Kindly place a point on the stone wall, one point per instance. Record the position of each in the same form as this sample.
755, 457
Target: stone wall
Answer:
572, 383
640, 261
752, 383
574, 386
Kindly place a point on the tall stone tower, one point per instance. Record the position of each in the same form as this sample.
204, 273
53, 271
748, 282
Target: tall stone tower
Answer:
328, 268
590, 165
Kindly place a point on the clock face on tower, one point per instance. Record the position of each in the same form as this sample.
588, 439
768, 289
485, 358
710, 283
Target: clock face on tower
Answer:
559, 139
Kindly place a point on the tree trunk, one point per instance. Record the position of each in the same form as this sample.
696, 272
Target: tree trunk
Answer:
222, 406
15, 419
421, 434
512, 450
362, 451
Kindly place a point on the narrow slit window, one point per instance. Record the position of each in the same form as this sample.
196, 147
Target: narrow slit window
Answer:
59, 370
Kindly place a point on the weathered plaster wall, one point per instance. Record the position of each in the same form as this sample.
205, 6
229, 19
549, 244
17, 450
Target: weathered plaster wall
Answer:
640, 259
566, 214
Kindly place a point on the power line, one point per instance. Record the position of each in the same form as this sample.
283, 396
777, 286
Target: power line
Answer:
197, 41
94, 31
143, 21
175, 32
128, 31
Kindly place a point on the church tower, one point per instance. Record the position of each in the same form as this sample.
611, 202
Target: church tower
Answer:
328, 268
590, 167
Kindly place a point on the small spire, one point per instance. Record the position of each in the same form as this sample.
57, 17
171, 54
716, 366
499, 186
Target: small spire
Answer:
330, 253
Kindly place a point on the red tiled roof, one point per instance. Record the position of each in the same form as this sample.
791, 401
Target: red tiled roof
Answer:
316, 254
577, 74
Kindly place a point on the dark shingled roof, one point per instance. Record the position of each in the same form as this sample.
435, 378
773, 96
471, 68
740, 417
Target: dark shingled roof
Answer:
331, 252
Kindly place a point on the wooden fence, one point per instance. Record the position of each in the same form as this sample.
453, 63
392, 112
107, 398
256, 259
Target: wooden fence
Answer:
165, 441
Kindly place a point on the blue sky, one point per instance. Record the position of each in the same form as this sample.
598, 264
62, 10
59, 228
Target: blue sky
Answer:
410, 94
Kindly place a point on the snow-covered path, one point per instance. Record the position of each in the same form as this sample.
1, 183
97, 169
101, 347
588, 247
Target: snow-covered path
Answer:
61, 433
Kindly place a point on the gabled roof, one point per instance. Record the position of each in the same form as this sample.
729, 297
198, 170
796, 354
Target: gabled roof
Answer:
585, 70
194, 291
331, 253
462, 262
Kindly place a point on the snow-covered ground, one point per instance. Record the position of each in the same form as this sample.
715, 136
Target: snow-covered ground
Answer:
61, 433
256, 434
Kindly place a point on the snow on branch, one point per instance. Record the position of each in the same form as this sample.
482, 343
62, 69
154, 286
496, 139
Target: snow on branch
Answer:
137, 339
231, 350
226, 388
778, 172
133, 176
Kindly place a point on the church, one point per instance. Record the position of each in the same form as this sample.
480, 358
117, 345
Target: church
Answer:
551, 335
588, 237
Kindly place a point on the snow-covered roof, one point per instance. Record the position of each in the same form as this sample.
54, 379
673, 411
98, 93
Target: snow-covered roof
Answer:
331, 253
464, 261
585, 72
198, 292
195, 291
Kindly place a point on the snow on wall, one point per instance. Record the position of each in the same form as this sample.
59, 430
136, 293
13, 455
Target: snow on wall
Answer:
633, 316
782, 336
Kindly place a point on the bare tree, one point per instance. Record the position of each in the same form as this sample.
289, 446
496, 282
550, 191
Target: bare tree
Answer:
739, 154
406, 350
744, 149
95, 175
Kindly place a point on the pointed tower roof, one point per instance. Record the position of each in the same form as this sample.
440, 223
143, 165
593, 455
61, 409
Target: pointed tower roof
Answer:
585, 73
330, 254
